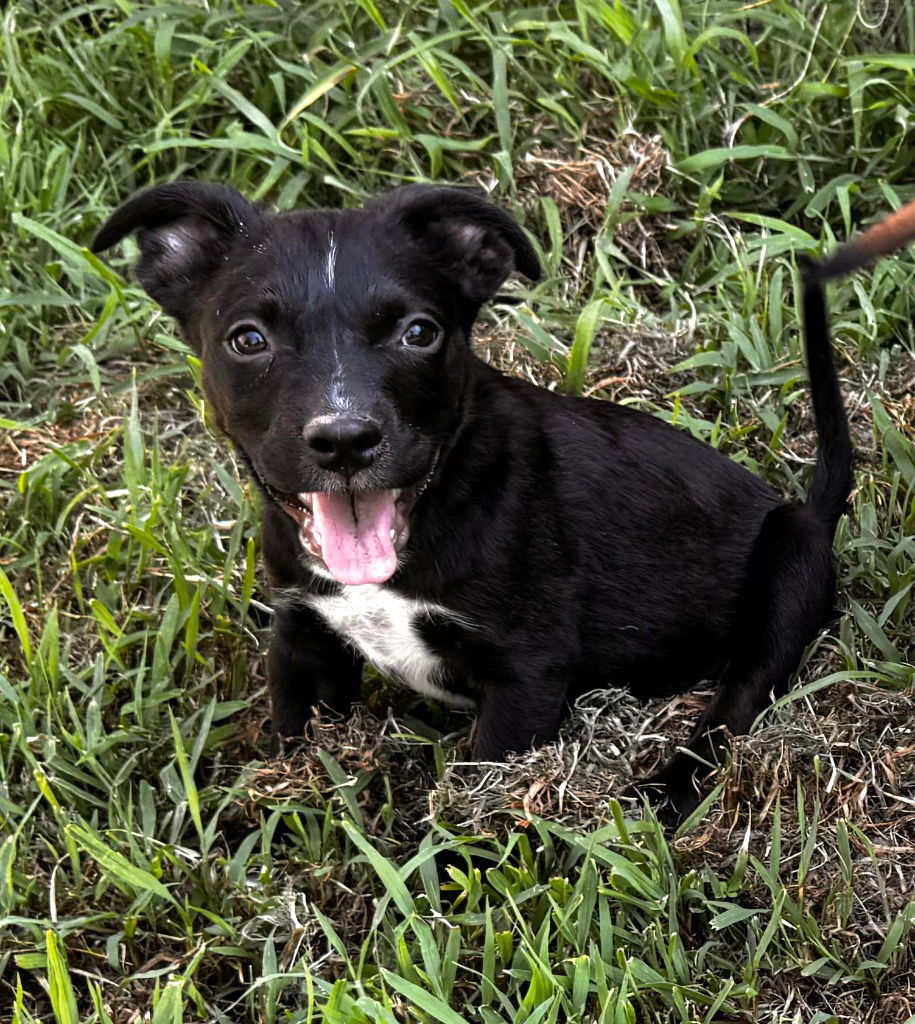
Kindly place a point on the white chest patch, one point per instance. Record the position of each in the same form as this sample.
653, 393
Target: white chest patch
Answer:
381, 625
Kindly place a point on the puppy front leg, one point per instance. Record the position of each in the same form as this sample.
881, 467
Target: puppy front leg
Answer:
308, 665
516, 717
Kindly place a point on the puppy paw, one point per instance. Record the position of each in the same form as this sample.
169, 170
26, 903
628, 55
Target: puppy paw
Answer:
287, 726
673, 792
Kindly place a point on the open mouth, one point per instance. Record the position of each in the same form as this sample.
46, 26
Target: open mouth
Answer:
358, 535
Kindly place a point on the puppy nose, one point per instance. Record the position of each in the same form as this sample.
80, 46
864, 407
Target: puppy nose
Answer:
343, 443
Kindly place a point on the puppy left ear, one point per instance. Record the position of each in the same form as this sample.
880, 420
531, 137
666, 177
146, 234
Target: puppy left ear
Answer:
474, 242
184, 230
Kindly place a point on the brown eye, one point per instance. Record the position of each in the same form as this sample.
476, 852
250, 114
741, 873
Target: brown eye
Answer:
247, 342
421, 334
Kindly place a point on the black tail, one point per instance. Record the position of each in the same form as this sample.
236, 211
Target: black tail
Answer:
832, 477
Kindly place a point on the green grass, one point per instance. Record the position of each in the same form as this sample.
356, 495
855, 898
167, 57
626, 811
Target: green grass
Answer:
155, 856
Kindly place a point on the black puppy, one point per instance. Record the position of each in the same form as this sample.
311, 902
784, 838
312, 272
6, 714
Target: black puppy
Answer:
478, 538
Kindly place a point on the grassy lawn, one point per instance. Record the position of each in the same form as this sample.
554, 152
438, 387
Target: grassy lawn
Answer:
159, 858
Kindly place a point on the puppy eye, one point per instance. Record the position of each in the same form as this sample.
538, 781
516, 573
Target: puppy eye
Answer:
247, 342
421, 334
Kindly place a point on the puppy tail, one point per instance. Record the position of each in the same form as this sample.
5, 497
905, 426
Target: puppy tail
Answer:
832, 477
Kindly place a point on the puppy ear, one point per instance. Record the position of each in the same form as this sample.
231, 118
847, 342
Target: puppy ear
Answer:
474, 242
183, 230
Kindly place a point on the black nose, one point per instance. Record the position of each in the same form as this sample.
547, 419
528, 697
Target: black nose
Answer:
343, 443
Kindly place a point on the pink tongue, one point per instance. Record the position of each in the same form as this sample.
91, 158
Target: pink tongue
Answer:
354, 532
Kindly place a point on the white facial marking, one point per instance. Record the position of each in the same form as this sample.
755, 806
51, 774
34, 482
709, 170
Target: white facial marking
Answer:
339, 397
381, 625
320, 421
330, 267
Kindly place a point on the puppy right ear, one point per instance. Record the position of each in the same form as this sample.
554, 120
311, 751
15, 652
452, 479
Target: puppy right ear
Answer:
472, 241
184, 230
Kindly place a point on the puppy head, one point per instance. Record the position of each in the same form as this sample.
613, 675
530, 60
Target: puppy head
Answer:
334, 343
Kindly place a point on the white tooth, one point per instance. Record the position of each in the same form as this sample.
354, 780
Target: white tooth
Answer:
393, 534
397, 493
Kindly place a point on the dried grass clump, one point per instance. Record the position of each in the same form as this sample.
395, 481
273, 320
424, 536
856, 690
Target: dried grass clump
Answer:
380, 763
580, 178
609, 740
581, 186
849, 752
629, 361
846, 752
498, 345
634, 362
371, 770
21, 449
841, 761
